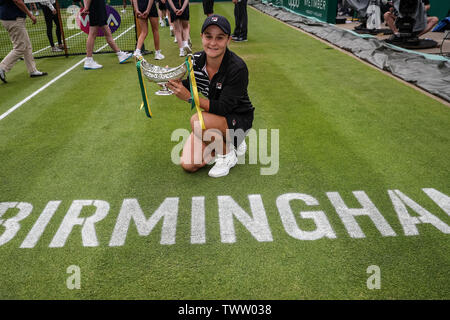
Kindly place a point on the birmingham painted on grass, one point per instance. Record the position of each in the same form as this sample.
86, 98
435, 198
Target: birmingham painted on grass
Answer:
229, 211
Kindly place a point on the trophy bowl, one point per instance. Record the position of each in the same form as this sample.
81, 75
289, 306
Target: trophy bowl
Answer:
161, 75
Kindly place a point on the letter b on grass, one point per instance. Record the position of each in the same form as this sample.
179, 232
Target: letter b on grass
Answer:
374, 281
74, 281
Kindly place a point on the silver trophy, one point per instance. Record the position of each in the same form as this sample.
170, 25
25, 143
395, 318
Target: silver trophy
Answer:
161, 75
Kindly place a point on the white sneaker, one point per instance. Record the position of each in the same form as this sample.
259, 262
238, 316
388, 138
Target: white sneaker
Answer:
182, 52
175, 40
90, 64
56, 49
159, 55
137, 54
241, 149
223, 164
161, 23
187, 49
123, 56
172, 34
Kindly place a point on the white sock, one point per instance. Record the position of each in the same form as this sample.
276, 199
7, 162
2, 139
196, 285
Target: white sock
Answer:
119, 52
138, 51
185, 43
88, 59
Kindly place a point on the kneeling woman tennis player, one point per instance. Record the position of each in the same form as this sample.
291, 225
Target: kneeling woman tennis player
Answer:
222, 77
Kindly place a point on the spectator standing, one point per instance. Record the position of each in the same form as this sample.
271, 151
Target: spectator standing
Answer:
171, 26
162, 12
241, 21
13, 14
146, 10
34, 7
51, 17
208, 7
179, 15
96, 9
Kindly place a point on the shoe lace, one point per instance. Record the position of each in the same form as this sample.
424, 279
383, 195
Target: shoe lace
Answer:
220, 160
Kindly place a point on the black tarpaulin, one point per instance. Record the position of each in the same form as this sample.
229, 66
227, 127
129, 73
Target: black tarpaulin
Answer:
429, 72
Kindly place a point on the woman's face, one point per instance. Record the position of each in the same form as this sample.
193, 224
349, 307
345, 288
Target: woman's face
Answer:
214, 41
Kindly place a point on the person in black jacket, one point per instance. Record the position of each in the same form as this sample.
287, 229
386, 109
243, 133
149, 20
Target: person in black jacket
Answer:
222, 77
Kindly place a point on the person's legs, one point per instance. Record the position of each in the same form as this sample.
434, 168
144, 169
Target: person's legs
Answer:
34, 7
49, 24
58, 29
189, 32
179, 35
208, 7
109, 38
122, 56
89, 63
28, 50
212, 121
165, 15
21, 45
185, 28
237, 31
192, 152
161, 14
431, 22
143, 27
244, 19
202, 145
93, 30
389, 18
154, 24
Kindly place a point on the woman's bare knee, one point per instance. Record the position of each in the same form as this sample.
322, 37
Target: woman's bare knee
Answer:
194, 119
189, 167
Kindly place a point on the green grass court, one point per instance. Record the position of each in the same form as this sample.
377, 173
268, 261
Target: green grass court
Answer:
343, 127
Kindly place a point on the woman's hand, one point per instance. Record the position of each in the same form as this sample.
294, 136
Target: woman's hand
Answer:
179, 12
178, 89
84, 11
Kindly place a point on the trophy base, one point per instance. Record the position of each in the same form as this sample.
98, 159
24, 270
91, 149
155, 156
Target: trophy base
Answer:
164, 92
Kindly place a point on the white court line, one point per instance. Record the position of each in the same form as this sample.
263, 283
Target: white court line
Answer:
48, 47
18, 105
